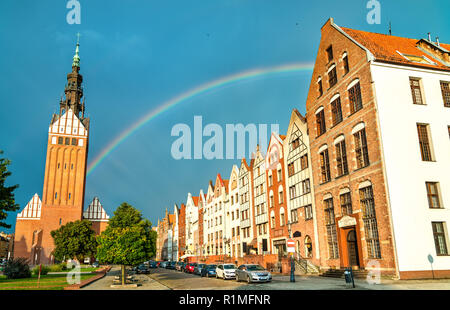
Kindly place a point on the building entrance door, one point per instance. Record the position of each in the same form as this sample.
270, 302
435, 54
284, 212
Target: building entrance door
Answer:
352, 247
281, 249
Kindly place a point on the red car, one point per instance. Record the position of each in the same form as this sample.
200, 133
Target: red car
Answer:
190, 267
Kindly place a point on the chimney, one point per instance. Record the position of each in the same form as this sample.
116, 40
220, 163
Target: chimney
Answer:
429, 36
437, 41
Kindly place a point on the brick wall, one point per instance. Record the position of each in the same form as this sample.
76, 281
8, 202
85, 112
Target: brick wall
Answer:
359, 69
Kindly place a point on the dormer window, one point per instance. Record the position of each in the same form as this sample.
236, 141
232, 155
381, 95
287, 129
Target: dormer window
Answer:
417, 59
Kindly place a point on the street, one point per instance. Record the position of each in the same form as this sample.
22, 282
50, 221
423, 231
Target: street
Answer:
183, 281
164, 279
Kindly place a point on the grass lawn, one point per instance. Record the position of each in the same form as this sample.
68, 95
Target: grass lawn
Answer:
47, 282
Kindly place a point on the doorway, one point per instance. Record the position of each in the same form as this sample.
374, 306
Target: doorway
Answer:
352, 247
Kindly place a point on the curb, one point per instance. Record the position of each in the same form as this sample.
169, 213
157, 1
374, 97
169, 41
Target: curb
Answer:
100, 274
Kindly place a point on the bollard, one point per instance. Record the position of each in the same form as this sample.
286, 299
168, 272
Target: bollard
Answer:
349, 279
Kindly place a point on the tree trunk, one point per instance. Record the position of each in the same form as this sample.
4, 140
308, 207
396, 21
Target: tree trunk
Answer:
123, 274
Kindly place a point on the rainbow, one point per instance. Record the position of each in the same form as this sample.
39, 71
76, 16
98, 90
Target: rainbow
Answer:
202, 89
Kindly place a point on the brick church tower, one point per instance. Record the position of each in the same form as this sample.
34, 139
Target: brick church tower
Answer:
65, 177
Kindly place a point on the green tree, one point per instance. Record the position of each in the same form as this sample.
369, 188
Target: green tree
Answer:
7, 202
74, 240
126, 216
128, 240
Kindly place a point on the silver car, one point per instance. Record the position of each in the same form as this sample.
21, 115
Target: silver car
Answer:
253, 273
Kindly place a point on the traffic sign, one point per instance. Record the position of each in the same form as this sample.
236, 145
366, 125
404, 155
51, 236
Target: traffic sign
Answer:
290, 246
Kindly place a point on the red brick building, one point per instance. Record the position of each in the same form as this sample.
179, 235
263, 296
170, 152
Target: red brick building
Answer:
354, 224
276, 195
182, 231
201, 211
64, 181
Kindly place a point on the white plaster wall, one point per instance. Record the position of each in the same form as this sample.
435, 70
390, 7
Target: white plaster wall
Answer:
406, 172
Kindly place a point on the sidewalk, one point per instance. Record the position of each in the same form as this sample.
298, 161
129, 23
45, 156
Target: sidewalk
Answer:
146, 283
282, 282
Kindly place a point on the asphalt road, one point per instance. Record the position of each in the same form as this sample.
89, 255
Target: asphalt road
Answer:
164, 279
177, 280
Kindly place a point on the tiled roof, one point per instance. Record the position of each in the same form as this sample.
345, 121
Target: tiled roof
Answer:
171, 218
225, 183
299, 114
387, 47
195, 199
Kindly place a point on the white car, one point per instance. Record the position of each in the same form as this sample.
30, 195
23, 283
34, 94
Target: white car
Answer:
226, 271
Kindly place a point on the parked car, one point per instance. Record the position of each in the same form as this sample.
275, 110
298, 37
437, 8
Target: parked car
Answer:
152, 264
163, 264
171, 265
253, 273
183, 266
209, 271
142, 269
190, 267
198, 269
95, 264
226, 271
179, 266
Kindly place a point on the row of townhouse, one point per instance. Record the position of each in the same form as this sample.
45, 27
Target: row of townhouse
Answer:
363, 180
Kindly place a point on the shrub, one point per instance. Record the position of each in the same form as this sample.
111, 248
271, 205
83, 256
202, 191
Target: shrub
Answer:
58, 267
44, 270
17, 268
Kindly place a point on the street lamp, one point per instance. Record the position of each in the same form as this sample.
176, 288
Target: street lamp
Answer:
292, 279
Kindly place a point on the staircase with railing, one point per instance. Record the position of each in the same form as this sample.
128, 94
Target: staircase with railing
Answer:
304, 266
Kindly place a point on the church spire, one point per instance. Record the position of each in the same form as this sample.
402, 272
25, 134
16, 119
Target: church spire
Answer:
74, 90
76, 57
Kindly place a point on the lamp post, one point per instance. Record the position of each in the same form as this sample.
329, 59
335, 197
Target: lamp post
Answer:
292, 278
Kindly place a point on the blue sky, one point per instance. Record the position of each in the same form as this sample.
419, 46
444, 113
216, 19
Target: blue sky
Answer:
135, 55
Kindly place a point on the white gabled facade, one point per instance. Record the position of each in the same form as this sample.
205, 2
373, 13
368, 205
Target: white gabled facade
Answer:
175, 234
299, 186
232, 214
215, 218
406, 172
191, 225
32, 210
248, 245
95, 212
68, 125
201, 250
260, 203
